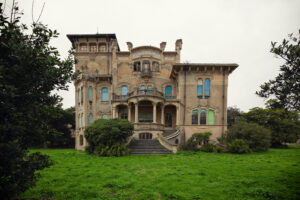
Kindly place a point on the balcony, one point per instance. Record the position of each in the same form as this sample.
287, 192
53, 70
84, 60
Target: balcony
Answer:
148, 126
146, 92
146, 74
120, 97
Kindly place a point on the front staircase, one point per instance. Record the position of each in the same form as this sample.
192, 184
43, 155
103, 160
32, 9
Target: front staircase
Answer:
150, 147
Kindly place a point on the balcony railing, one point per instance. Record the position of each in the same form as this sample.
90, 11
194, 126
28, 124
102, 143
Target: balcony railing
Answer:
120, 97
146, 92
146, 73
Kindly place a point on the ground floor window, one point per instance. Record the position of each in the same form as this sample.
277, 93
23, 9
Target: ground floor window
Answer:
168, 119
104, 116
124, 116
81, 140
145, 136
146, 117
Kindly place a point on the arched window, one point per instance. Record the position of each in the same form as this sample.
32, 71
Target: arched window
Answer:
195, 117
90, 118
200, 87
142, 89
168, 92
79, 121
104, 94
203, 117
124, 90
207, 87
81, 95
82, 120
211, 117
90, 91
137, 66
79, 98
104, 116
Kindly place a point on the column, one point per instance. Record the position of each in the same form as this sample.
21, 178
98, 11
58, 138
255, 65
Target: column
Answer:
162, 114
177, 115
154, 112
113, 112
129, 113
136, 112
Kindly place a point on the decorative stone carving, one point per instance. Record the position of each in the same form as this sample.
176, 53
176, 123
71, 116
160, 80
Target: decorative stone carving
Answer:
163, 45
129, 45
146, 52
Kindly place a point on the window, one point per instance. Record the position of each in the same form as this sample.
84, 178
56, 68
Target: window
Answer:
93, 47
124, 115
82, 120
81, 140
168, 92
211, 117
104, 94
146, 66
146, 117
203, 117
90, 91
195, 117
90, 118
168, 119
200, 88
145, 136
81, 95
104, 116
83, 47
143, 89
207, 87
102, 47
79, 121
155, 66
79, 98
137, 66
124, 90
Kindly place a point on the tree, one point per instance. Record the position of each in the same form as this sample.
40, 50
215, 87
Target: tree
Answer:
29, 70
286, 86
284, 125
108, 137
233, 115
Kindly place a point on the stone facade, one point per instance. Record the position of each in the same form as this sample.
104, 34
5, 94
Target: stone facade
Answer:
150, 87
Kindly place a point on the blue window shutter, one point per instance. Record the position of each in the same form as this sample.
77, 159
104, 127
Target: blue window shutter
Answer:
124, 90
199, 90
207, 87
104, 94
168, 91
104, 116
90, 91
79, 98
90, 118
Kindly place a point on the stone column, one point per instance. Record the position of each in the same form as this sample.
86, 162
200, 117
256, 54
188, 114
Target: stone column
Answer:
154, 112
162, 114
113, 112
129, 113
136, 112
177, 115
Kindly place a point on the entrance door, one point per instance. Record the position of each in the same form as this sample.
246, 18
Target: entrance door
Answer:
145, 136
168, 119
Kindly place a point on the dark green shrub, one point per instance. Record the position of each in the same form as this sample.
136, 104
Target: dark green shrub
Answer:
238, 146
208, 147
108, 137
256, 137
197, 139
190, 145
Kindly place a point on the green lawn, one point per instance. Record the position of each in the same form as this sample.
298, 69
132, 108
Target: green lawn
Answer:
75, 175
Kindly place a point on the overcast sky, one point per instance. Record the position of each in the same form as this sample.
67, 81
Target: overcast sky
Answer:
228, 31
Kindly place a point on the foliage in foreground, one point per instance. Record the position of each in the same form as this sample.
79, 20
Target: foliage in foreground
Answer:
238, 146
197, 139
284, 125
255, 136
286, 86
29, 70
108, 137
187, 175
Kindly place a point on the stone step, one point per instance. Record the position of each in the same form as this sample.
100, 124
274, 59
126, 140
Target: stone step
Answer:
168, 132
148, 147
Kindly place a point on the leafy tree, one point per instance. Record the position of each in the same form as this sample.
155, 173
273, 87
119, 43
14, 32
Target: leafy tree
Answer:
256, 137
29, 70
286, 86
233, 115
108, 137
284, 125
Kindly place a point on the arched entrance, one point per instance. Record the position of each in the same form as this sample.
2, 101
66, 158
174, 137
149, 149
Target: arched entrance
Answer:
170, 116
145, 136
145, 112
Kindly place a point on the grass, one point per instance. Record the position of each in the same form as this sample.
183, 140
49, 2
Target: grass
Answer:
197, 176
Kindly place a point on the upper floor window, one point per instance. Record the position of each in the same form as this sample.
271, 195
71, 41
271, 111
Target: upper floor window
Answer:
155, 66
93, 47
207, 87
90, 118
137, 66
146, 66
203, 117
199, 87
211, 117
104, 94
102, 47
83, 47
195, 117
78, 93
79, 120
90, 94
82, 120
81, 95
168, 91
124, 90
104, 116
